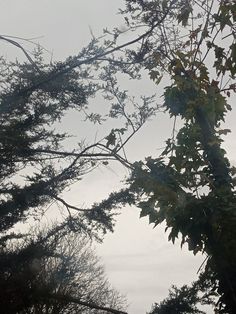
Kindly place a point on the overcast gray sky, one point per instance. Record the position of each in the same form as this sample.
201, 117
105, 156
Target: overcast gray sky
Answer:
139, 261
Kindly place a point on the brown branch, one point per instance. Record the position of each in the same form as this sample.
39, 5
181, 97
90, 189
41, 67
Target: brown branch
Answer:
70, 154
129, 137
108, 154
91, 305
68, 206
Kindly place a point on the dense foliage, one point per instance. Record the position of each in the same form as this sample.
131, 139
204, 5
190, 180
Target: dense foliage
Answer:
190, 186
188, 299
36, 167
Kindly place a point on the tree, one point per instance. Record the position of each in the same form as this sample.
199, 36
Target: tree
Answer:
191, 184
36, 168
187, 299
179, 301
34, 97
55, 271
31, 103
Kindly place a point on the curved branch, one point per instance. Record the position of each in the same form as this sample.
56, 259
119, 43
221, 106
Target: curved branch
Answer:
15, 43
68, 206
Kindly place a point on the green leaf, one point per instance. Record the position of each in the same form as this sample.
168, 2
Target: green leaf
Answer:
224, 131
111, 139
144, 212
185, 11
154, 74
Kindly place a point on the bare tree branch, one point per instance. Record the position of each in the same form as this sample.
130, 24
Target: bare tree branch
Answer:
68, 206
15, 43
67, 298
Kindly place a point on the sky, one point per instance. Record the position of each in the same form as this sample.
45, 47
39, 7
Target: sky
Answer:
138, 259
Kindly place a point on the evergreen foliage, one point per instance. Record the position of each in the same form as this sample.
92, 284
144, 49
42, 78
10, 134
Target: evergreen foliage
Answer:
190, 186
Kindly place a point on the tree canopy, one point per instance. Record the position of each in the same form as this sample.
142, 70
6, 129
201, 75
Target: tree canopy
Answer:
190, 186
55, 271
